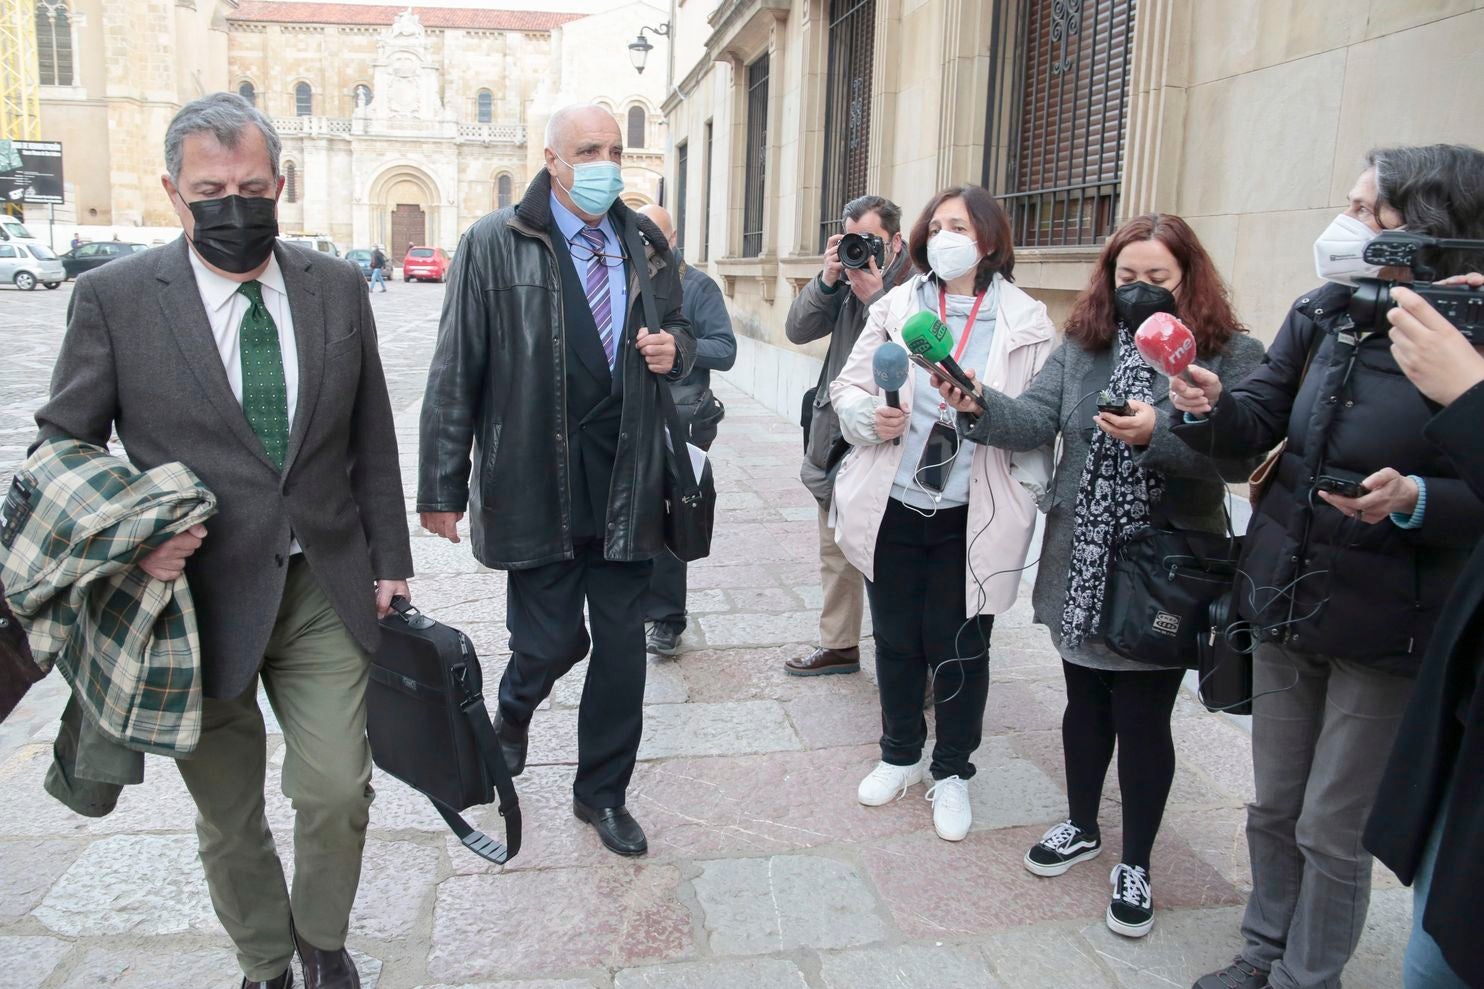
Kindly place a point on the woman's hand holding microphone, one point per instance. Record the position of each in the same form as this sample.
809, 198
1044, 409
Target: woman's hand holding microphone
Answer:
1198, 395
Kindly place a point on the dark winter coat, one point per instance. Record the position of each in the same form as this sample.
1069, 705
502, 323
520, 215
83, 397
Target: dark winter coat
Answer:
1441, 740
1324, 583
499, 383
836, 313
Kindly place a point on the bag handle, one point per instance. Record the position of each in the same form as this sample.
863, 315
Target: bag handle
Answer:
690, 488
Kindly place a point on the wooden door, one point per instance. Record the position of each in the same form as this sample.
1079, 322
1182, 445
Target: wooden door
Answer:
409, 226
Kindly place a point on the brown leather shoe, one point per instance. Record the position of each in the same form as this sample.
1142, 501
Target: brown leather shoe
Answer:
284, 981
824, 661
326, 969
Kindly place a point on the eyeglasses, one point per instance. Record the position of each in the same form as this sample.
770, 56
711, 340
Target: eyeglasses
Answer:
583, 252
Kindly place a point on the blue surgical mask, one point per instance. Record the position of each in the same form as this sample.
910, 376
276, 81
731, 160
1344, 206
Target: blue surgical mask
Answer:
595, 185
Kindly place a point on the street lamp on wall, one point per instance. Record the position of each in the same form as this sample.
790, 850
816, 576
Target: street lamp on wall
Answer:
640, 47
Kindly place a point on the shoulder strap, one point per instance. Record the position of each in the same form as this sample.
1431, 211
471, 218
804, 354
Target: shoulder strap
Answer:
690, 487
473, 839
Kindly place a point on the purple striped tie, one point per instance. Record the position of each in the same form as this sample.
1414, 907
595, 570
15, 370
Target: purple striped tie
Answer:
598, 299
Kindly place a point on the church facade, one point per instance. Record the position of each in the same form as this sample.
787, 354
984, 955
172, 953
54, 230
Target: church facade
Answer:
400, 125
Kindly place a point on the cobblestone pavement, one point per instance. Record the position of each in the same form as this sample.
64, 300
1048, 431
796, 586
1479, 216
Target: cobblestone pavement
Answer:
763, 871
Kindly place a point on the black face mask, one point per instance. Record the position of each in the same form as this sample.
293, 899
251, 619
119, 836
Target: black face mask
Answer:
1137, 301
234, 233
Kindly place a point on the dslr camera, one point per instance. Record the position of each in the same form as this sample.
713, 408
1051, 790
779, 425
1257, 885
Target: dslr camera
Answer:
856, 251
1458, 304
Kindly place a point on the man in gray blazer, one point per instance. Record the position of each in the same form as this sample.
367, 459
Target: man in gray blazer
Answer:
255, 364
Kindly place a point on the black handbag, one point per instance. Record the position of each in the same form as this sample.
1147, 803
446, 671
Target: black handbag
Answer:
1161, 583
428, 726
690, 501
1224, 659
18, 671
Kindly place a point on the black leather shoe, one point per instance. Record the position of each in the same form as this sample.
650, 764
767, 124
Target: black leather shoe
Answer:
664, 640
284, 981
514, 740
616, 828
326, 969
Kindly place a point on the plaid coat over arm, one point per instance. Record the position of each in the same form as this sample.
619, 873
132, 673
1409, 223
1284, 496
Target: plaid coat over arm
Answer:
69, 550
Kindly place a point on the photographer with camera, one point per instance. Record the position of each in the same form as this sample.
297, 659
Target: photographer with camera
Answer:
1428, 822
860, 266
1357, 538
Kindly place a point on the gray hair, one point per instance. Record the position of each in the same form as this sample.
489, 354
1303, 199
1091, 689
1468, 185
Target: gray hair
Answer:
225, 116
1439, 191
890, 212
560, 117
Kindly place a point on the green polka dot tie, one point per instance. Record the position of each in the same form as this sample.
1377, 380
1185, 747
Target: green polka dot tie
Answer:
265, 397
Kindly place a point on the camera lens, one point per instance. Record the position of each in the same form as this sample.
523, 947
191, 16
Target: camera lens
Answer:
854, 252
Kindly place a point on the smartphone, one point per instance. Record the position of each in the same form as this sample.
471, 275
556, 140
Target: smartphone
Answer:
1113, 404
926, 365
1341, 486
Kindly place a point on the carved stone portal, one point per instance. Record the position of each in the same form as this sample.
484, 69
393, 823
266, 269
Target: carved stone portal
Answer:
408, 84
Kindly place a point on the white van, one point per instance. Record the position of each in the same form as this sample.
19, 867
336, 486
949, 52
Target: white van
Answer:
322, 244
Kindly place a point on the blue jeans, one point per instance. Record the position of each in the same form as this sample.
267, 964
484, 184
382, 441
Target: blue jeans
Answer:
1424, 966
376, 279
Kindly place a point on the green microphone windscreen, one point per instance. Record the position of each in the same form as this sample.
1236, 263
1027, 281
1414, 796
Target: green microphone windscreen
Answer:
927, 335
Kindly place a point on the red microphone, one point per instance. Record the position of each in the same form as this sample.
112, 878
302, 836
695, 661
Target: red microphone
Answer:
1166, 344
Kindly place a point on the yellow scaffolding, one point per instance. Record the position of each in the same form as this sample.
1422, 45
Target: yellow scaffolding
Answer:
20, 79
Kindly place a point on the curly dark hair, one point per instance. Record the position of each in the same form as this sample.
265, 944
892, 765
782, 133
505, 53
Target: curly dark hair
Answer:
1204, 305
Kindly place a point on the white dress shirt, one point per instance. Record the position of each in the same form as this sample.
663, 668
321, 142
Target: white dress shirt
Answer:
225, 307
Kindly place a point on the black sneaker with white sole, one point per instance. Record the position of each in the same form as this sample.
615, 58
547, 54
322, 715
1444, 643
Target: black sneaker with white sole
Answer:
1132, 911
1061, 848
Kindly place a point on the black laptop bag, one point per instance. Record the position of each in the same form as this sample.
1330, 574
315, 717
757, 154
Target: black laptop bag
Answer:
429, 728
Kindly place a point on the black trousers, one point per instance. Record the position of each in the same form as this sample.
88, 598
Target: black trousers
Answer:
547, 638
917, 609
1132, 708
664, 600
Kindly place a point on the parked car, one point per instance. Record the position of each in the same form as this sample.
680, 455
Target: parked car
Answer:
24, 263
13, 229
362, 257
90, 256
425, 264
314, 243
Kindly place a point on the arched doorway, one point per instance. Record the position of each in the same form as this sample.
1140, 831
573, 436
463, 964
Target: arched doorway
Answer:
403, 203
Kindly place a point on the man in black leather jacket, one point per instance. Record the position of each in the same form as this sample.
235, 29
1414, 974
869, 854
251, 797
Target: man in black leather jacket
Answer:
545, 366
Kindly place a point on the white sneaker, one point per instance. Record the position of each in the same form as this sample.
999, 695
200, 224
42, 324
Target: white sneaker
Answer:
952, 814
887, 783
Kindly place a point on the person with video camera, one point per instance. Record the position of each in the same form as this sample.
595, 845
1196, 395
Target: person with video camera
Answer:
834, 304
939, 528
1126, 473
1428, 822
1361, 531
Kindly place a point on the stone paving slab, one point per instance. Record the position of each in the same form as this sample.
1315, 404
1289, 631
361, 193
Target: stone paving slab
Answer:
785, 902
533, 923
759, 973
763, 869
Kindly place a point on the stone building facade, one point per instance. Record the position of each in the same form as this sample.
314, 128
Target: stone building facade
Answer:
1249, 119
399, 124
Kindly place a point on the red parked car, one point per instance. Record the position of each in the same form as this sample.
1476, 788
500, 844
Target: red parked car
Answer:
425, 264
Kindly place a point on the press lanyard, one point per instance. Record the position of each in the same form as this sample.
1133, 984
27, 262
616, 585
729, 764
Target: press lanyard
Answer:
963, 341
944, 416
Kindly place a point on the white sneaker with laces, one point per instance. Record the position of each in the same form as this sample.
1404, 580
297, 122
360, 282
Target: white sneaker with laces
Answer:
952, 814
887, 783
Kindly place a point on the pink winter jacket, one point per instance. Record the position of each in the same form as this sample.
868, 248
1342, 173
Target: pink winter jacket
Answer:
1023, 340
